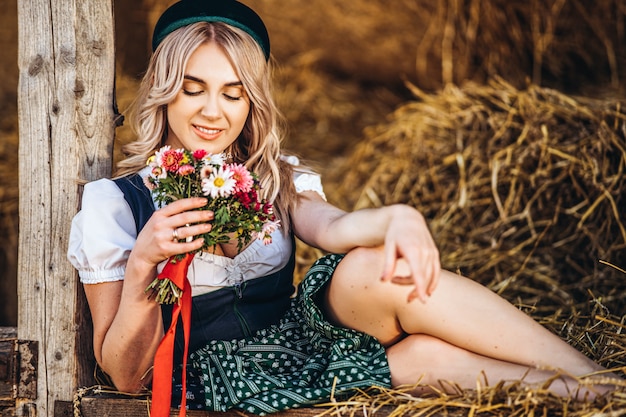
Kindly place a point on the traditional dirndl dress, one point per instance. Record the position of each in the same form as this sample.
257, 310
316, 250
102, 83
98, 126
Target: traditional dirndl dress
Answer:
253, 346
301, 360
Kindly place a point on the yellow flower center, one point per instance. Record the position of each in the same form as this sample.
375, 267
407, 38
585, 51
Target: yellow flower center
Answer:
219, 182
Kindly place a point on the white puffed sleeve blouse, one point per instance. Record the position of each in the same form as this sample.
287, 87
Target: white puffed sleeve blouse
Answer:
103, 233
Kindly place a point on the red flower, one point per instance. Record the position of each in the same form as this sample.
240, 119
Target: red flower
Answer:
199, 154
244, 199
170, 160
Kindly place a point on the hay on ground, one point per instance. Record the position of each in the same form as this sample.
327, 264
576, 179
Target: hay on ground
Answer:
525, 192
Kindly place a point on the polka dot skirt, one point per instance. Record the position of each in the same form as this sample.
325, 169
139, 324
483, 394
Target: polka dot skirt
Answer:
300, 361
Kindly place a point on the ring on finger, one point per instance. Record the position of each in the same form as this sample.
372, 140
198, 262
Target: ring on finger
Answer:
175, 235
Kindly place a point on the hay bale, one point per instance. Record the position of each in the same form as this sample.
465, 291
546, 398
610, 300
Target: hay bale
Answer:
325, 117
525, 189
567, 44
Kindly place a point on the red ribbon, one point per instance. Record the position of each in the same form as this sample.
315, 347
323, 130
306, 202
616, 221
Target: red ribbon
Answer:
176, 271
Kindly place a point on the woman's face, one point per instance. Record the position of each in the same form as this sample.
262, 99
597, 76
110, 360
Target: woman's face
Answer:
212, 107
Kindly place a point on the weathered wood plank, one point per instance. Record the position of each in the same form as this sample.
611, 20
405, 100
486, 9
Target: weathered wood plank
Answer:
8, 370
8, 333
18, 370
8, 411
28, 355
66, 118
98, 406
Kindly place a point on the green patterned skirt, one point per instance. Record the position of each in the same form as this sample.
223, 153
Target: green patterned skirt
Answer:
300, 361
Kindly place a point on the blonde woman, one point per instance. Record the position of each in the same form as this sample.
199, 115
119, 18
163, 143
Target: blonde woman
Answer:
378, 311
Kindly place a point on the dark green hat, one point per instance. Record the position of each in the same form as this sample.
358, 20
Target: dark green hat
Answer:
231, 12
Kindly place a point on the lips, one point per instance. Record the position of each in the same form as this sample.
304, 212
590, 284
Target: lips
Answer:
207, 133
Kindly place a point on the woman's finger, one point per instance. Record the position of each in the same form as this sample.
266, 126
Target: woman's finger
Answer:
183, 205
191, 246
389, 266
435, 274
188, 232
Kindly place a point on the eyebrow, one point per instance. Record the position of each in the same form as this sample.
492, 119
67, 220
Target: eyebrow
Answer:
201, 81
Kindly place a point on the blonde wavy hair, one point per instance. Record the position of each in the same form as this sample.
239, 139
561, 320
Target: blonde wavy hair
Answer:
258, 146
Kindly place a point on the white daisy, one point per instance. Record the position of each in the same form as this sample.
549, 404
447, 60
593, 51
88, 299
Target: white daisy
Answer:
219, 184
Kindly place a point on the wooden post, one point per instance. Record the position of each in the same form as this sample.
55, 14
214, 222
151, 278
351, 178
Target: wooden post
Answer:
66, 123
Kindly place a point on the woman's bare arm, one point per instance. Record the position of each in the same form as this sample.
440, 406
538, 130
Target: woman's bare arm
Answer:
401, 229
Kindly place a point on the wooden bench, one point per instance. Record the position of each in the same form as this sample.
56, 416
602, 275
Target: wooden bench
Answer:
111, 406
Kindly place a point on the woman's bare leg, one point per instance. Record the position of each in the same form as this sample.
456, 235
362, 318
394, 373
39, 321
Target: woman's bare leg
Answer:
479, 328
445, 367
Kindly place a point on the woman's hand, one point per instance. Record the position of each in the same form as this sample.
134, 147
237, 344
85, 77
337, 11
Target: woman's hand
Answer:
400, 228
167, 231
409, 238
127, 324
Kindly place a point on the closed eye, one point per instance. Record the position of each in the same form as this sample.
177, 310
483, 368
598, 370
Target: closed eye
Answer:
232, 98
192, 93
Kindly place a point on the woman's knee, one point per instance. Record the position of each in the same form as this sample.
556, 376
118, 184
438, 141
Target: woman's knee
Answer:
359, 266
357, 279
356, 297
420, 357
421, 348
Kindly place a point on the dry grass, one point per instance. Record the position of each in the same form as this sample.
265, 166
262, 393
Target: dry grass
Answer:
569, 44
524, 188
525, 191
499, 400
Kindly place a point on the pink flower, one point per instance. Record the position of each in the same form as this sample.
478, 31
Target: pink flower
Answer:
147, 181
206, 171
242, 176
186, 170
268, 228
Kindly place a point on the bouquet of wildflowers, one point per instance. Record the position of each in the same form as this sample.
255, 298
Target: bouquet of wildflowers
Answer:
233, 193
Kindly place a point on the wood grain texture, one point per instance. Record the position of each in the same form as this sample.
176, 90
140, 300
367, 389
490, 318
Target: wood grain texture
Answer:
18, 370
98, 406
66, 123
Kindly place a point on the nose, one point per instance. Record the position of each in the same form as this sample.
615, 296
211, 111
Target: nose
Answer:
211, 108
